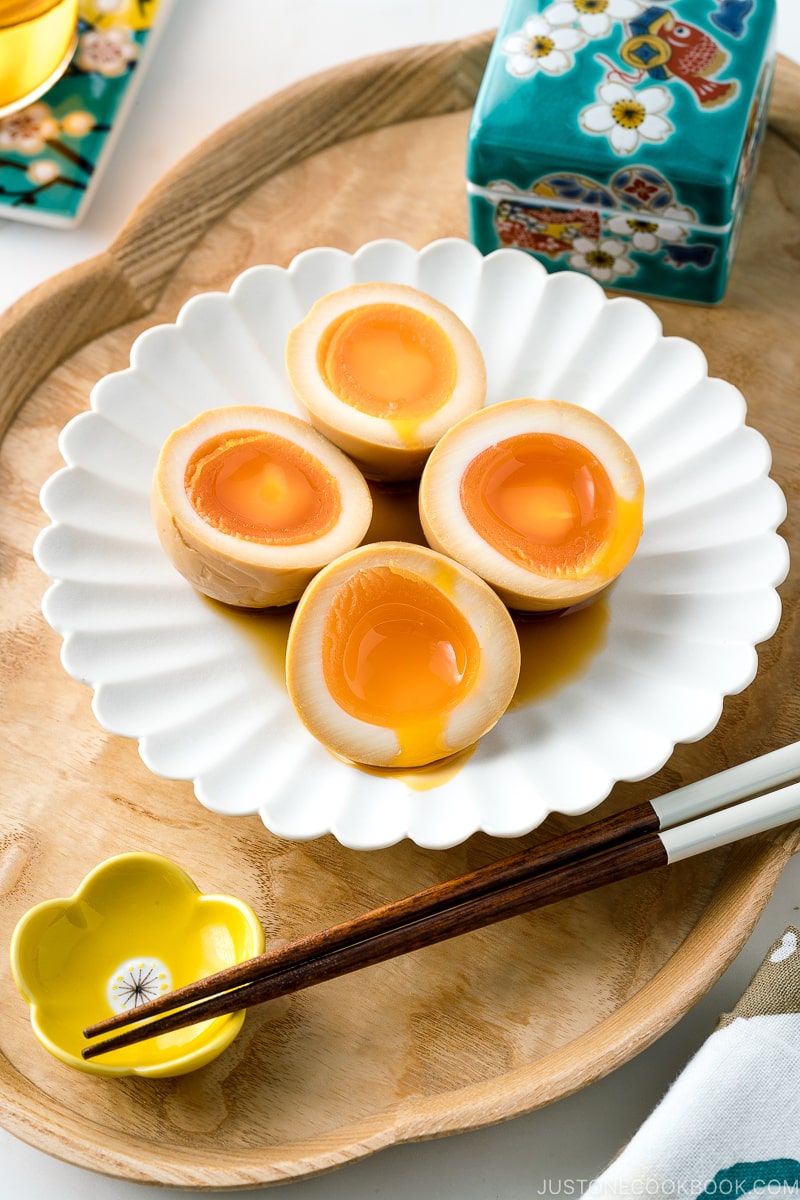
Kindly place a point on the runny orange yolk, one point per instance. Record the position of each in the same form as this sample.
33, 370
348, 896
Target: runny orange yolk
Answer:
262, 487
547, 503
396, 652
388, 360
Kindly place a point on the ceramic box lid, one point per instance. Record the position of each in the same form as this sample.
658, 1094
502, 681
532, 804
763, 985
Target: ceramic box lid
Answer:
589, 100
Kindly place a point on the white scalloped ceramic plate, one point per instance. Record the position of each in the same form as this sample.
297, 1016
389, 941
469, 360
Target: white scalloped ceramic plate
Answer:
607, 692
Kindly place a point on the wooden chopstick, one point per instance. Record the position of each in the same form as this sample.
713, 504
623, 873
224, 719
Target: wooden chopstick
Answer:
616, 847
694, 799
569, 879
563, 848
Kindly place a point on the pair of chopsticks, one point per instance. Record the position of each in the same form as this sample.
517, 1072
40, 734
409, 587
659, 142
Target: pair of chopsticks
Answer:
700, 816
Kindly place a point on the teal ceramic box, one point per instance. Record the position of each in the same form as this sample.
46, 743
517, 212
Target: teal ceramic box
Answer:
619, 138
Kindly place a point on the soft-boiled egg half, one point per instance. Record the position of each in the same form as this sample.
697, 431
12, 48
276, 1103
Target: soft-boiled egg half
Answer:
250, 502
540, 498
398, 656
383, 370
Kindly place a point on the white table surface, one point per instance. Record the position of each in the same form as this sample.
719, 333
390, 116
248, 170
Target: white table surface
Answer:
213, 61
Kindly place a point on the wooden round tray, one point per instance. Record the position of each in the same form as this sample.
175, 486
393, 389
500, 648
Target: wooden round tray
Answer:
489, 1025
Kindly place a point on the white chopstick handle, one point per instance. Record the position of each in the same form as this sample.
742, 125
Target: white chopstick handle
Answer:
731, 824
758, 775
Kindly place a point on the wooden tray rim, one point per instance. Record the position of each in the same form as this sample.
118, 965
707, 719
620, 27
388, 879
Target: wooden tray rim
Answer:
131, 276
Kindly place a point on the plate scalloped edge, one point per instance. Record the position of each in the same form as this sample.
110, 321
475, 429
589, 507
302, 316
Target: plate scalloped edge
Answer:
683, 621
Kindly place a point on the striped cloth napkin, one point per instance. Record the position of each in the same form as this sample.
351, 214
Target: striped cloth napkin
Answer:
730, 1124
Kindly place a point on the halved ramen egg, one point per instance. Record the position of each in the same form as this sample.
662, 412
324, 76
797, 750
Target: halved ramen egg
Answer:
383, 370
250, 502
398, 656
541, 498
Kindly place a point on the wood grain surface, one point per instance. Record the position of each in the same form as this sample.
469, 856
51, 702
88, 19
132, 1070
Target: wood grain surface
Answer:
492, 1024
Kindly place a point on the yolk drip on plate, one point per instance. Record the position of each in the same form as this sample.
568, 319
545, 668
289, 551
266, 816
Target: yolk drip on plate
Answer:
389, 361
547, 503
262, 487
396, 652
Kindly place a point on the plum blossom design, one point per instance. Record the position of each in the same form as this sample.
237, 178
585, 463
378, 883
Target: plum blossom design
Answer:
538, 46
603, 259
33, 134
136, 982
594, 17
628, 118
43, 171
107, 52
49, 150
28, 130
78, 123
646, 233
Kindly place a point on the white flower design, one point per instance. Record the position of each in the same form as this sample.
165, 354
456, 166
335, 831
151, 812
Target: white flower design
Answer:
78, 123
136, 982
679, 216
605, 259
788, 946
107, 51
627, 117
540, 47
595, 17
43, 171
646, 233
27, 131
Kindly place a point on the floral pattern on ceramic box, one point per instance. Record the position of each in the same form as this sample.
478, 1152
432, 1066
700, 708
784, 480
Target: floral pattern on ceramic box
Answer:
619, 138
51, 151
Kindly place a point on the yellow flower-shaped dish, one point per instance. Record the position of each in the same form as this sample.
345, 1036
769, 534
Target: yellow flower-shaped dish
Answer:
136, 927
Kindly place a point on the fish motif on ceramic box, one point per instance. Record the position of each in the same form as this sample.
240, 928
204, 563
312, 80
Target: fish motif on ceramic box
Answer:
663, 47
